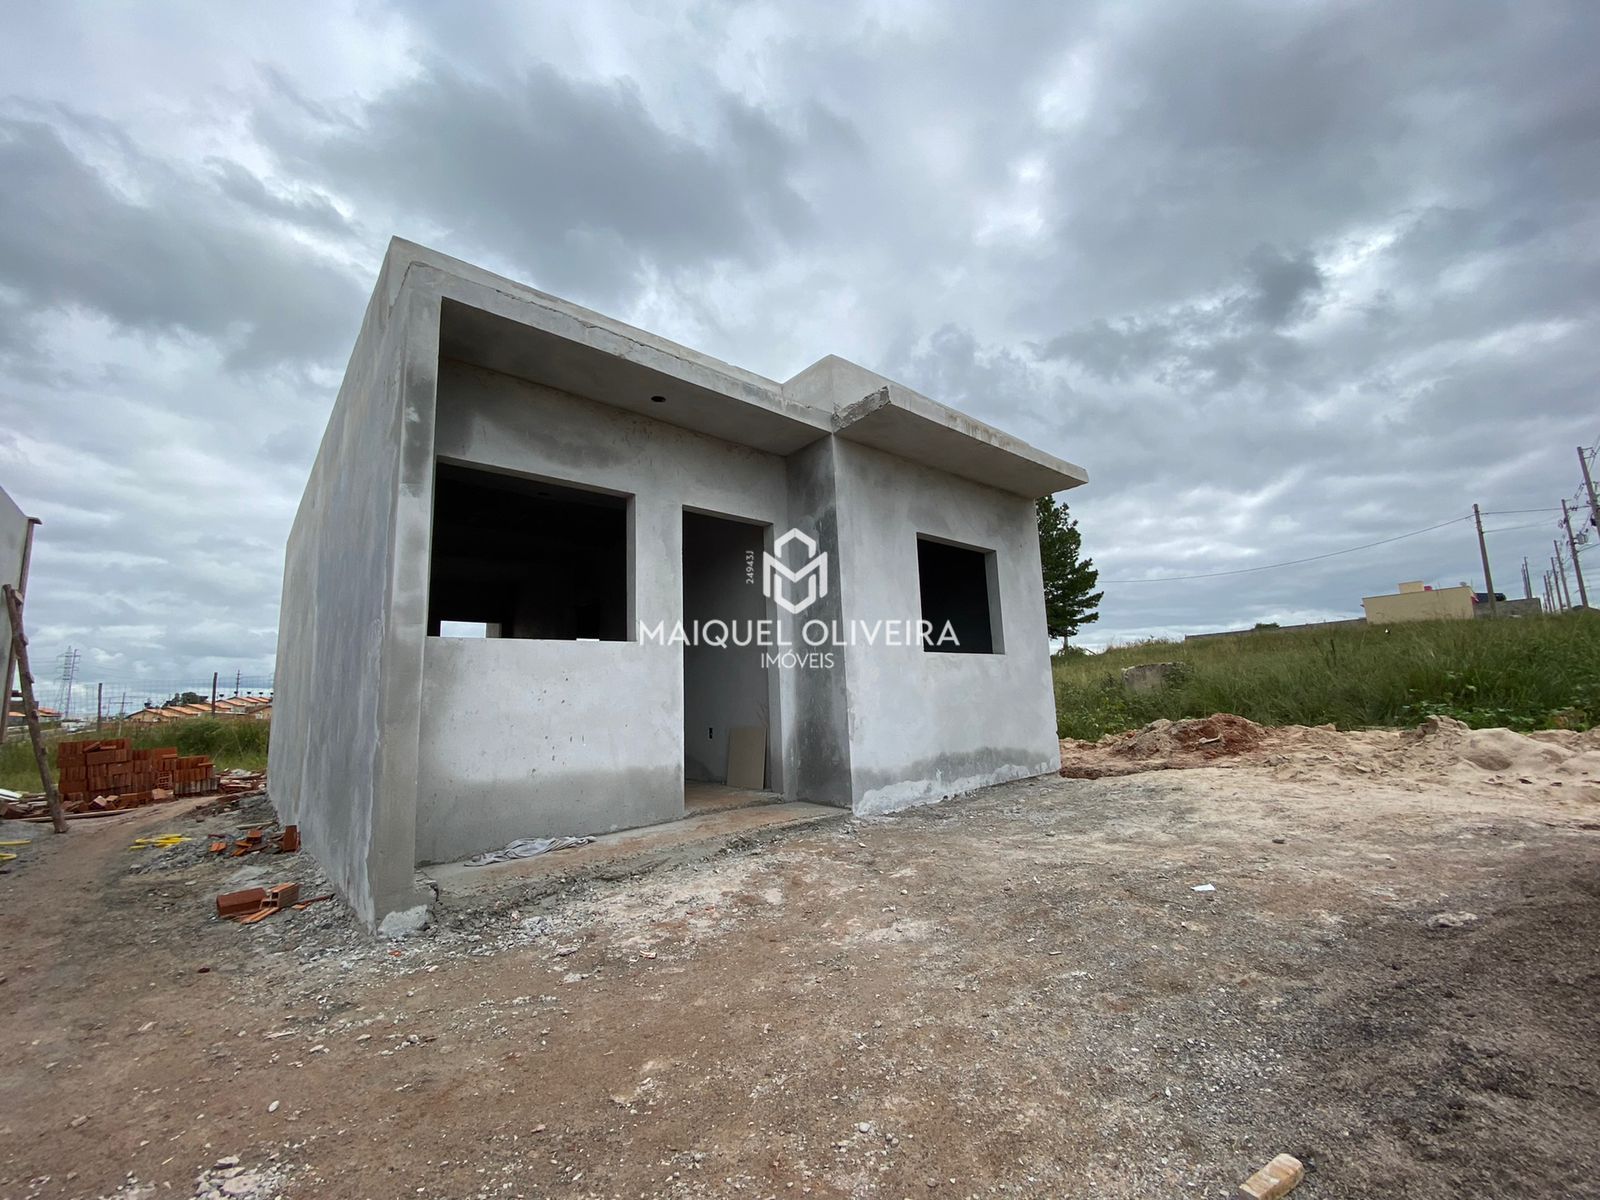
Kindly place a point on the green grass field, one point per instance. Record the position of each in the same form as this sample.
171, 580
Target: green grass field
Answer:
1536, 673
234, 742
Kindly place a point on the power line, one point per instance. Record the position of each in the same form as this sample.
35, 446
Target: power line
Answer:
1294, 562
1514, 528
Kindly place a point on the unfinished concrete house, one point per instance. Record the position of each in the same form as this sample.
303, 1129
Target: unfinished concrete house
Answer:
553, 575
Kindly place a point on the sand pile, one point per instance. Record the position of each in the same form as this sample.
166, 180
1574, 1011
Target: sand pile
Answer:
1439, 748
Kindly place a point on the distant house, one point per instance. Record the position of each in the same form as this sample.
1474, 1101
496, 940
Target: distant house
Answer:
257, 708
1416, 601
47, 716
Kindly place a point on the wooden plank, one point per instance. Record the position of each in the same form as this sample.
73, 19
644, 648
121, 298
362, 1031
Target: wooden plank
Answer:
1278, 1178
747, 757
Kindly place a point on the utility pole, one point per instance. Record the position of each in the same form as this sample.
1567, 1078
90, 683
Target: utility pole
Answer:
1561, 576
213, 693
99, 705
1548, 607
1527, 580
1572, 544
1483, 550
1588, 483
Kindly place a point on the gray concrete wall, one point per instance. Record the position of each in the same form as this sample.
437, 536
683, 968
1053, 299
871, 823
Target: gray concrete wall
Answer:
816, 733
528, 738
925, 726
326, 758
1510, 608
615, 709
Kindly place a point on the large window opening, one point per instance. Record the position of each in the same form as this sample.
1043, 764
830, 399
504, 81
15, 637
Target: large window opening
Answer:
521, 558
960, 598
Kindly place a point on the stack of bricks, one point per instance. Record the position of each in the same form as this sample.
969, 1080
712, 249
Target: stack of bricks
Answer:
96, 775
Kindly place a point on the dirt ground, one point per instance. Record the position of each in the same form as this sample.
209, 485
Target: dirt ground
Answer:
1017, 993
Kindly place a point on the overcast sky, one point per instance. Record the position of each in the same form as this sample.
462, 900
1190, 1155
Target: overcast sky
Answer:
1286, 277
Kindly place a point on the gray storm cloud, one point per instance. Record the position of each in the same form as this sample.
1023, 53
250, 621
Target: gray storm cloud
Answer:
1285, 278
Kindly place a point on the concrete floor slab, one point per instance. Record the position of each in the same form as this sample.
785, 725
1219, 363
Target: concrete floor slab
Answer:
630, 850
700, 797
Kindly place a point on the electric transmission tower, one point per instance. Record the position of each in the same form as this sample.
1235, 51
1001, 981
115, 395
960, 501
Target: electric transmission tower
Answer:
69, 672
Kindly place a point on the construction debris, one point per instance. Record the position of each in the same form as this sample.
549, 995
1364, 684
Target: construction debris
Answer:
1278, 1178
256, 840
215, 808
234, 782
256, 904
230, 1181
163, 841
237, 904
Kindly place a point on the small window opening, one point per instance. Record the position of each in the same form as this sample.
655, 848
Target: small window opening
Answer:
520, 558
959, 600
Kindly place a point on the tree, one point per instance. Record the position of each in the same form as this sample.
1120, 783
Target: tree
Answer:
1068, 577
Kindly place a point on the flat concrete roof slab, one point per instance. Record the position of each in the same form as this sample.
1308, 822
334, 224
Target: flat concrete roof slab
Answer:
899, 421
509, 327
628, 374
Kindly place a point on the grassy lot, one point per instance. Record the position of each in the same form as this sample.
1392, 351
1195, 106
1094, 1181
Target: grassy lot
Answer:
233, 742
1536, 673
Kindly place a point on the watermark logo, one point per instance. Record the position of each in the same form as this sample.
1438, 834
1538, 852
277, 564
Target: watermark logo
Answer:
776, 574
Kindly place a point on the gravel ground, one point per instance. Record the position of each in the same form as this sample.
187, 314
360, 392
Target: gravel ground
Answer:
1019, 993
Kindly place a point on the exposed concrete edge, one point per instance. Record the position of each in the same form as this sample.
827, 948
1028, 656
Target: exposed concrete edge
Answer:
791, 400
917, 793
861, 409
577, 323
940, 424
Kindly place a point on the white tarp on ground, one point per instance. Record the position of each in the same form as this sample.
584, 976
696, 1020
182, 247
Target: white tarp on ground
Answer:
526, 848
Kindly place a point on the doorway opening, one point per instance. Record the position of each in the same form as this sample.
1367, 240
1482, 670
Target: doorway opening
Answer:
726, 702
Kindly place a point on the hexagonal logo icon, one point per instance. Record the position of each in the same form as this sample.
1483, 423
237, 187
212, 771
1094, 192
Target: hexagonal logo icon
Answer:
776, 574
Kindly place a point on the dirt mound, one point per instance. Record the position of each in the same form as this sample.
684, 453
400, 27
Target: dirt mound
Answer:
1164, 745
1438, 750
